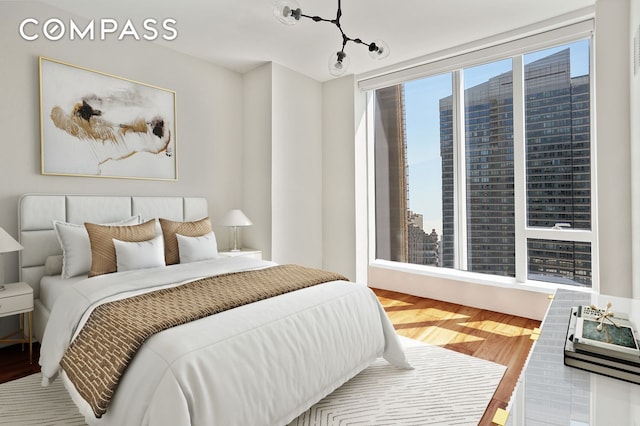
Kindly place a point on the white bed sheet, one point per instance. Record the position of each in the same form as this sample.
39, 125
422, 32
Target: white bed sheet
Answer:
259, 364
52, 286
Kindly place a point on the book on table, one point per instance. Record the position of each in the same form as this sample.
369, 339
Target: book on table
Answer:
612, 350
614, 336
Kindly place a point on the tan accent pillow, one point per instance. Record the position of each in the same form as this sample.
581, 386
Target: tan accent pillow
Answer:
103, 252
170, 228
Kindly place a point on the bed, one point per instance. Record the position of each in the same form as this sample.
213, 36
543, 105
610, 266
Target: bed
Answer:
260, 363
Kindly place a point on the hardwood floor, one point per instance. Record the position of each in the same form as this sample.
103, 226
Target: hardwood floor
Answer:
493, 336
14, 362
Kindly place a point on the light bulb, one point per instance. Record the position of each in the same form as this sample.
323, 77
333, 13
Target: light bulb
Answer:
380, 49
287, 11
338, 63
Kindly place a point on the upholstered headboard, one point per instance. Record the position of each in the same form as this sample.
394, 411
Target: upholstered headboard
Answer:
36, 213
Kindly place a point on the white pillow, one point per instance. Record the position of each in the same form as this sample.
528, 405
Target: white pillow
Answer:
76, 248
139, 255
194, 249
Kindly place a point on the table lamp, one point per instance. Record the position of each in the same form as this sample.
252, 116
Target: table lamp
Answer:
235, 218
7, 244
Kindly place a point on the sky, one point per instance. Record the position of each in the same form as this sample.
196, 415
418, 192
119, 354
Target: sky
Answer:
423, 126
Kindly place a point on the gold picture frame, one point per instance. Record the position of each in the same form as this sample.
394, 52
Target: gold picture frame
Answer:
99, 125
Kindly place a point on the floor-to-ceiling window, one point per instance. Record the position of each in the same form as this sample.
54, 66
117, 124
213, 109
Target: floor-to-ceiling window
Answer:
487, 167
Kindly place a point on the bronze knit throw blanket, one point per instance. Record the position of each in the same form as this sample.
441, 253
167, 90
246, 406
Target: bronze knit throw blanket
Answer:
99, 355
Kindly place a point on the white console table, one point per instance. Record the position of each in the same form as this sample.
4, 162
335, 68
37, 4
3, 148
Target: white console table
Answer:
551, 393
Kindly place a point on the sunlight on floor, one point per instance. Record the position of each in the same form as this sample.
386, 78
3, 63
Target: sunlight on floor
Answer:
428, 314
439, 336
498, 328
386, 302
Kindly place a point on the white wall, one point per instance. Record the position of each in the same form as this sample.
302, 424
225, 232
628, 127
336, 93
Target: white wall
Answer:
257, 158
209, 120
299, 168
283, 164
613, 150
296, 175
510, 300
634, 81
209, 117
338, 191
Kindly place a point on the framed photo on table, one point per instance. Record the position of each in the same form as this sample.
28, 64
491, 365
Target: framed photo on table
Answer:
96, 124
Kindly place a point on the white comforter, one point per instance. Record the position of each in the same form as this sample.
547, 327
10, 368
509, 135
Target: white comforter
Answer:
259, 364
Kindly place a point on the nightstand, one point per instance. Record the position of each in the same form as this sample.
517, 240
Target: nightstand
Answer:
17, 298
256, 254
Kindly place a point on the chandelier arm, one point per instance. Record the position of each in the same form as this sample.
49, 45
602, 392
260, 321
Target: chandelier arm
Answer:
317, 18
345, 39
358, 41
336, 22
372, 46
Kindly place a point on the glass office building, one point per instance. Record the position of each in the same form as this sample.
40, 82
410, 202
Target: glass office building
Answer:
557, 129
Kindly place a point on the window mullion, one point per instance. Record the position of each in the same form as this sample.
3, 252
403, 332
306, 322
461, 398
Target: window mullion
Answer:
460, 192
519, 169
369, 168
595, 262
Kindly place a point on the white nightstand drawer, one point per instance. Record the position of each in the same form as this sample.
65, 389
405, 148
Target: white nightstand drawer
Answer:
16, 304
16, 298
255, 254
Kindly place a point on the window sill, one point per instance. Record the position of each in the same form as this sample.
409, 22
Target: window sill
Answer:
475, 278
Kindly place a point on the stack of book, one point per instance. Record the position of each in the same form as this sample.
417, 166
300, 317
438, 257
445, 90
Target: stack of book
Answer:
608, 347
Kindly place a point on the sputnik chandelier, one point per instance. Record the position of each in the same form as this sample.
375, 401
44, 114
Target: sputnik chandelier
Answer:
289, 12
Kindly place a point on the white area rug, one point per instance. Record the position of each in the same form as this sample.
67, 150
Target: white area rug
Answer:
445, 388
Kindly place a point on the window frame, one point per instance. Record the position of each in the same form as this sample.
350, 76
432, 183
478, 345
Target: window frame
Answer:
454, 63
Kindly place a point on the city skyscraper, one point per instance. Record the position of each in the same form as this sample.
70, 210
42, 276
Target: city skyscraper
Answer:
392, 207
423, 246
557, 170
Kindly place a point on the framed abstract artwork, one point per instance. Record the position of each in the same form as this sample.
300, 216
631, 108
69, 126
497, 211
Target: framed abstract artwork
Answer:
96, 124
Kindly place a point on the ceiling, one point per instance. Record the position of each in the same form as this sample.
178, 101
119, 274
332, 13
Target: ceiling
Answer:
243, 34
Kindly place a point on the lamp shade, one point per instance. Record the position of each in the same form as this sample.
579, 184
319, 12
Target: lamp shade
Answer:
8, 243
235, 218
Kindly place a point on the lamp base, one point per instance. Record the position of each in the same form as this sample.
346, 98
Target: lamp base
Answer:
235, 240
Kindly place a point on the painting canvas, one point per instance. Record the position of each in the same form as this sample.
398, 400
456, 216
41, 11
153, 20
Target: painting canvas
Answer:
95, 124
